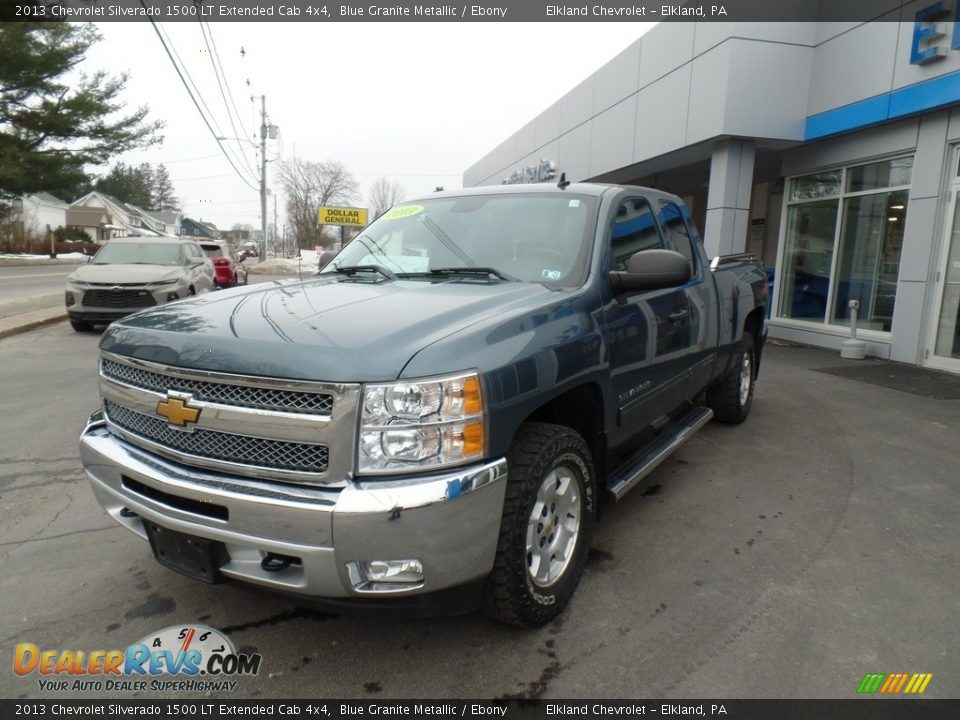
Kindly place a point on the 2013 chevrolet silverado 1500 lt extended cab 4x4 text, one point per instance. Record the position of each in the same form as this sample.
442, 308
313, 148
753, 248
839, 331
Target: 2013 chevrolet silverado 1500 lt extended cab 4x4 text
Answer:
430, 421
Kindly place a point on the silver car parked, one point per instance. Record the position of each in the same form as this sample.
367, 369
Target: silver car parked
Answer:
132, 273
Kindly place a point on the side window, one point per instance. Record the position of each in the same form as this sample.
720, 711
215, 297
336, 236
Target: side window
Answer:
678, 234
634, 229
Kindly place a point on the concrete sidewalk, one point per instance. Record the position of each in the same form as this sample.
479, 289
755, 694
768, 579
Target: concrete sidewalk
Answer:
18, 323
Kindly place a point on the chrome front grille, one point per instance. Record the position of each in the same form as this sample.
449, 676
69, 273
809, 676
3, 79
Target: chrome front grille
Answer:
258, 452
299, 431
236, 395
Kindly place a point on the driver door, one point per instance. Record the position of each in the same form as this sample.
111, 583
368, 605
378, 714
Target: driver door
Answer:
648, 334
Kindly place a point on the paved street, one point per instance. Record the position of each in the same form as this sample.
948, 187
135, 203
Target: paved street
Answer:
783, 558
36, 287
31, 287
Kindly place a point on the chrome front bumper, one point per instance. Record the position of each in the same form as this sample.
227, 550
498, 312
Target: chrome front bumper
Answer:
450, 522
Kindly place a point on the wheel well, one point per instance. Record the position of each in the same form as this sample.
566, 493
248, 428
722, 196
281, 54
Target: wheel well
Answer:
580, 408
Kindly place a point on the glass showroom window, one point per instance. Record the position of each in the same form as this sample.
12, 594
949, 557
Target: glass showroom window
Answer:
843, 242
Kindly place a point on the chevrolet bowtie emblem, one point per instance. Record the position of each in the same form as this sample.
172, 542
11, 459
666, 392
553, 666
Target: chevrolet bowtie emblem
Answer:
177, 412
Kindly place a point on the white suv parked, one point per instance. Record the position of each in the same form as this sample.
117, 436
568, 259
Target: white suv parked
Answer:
132, 273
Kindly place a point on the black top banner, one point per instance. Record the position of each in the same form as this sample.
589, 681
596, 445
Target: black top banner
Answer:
862, 709
487, 11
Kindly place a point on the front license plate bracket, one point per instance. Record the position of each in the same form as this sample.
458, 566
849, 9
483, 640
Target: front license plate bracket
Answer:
192, 556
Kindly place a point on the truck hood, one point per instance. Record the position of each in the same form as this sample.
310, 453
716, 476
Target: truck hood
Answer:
325, 329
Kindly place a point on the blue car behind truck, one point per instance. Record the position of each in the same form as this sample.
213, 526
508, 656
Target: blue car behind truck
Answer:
430, 422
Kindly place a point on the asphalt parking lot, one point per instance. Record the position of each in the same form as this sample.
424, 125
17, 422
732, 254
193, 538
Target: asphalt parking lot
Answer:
783, 558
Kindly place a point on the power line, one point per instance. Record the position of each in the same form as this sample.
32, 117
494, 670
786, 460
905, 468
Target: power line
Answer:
199, 157
194, 99
191, 159
396, 175
193, 85
214, 62
209, 112
205, 177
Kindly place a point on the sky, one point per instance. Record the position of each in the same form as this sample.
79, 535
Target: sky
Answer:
415, 102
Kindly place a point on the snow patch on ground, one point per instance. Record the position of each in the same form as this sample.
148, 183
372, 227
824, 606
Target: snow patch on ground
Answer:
28, 256
307, 264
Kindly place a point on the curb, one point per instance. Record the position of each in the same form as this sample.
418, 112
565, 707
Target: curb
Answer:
29, 321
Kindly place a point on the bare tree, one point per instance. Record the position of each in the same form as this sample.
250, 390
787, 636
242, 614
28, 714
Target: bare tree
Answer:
384, 194
308, 185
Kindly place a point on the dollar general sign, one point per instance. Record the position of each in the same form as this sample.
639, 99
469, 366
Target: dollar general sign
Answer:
342, 216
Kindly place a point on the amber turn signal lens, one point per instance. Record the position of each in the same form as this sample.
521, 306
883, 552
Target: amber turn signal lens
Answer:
472, 402
473, 439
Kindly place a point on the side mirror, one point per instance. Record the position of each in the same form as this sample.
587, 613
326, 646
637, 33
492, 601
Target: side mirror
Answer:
651, 270
324, 259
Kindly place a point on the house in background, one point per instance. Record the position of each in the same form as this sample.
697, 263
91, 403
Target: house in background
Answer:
168, 220
126, 219
39, 213
94, 221
199, 228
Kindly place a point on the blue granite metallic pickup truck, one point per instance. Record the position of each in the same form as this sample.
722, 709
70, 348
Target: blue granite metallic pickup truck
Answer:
431, 422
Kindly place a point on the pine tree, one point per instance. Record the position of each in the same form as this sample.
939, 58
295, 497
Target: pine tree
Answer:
164, 194
129, 184
54, 122
143, 187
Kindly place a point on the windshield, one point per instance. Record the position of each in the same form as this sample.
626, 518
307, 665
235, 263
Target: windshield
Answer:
145, 253
540, 238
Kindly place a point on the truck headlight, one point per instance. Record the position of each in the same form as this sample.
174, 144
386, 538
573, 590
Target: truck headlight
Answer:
427, 423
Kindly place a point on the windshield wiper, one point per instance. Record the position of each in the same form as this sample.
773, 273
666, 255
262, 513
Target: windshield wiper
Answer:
485, 271
354, 270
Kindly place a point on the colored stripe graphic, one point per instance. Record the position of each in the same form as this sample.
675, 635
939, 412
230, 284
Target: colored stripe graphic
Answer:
871, 682
890, 682
918, 683
894, 683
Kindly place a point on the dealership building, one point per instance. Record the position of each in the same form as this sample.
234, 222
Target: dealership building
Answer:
831, 150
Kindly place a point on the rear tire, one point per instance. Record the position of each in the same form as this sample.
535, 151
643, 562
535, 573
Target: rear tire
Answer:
546, 528
81, 325
731, 398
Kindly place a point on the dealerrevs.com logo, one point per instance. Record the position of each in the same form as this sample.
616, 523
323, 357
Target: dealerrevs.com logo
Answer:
183, 658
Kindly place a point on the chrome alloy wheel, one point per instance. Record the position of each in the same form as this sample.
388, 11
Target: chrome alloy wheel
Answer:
746, 377
553, 527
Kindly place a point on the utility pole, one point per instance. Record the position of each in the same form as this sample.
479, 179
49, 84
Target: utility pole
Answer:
263, 178
274, 236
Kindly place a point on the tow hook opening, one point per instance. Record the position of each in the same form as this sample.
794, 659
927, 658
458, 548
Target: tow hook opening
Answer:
127, 513
274, 562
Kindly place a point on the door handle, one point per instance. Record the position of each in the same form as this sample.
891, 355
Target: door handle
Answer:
678, 315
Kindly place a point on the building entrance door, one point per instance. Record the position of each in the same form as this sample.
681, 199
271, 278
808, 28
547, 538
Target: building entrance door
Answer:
944, 352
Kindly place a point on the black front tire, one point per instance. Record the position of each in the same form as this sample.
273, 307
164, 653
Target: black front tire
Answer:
80, 325
731, 398
545, 461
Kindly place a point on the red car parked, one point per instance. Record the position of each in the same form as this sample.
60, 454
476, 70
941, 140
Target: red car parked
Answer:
227, 265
